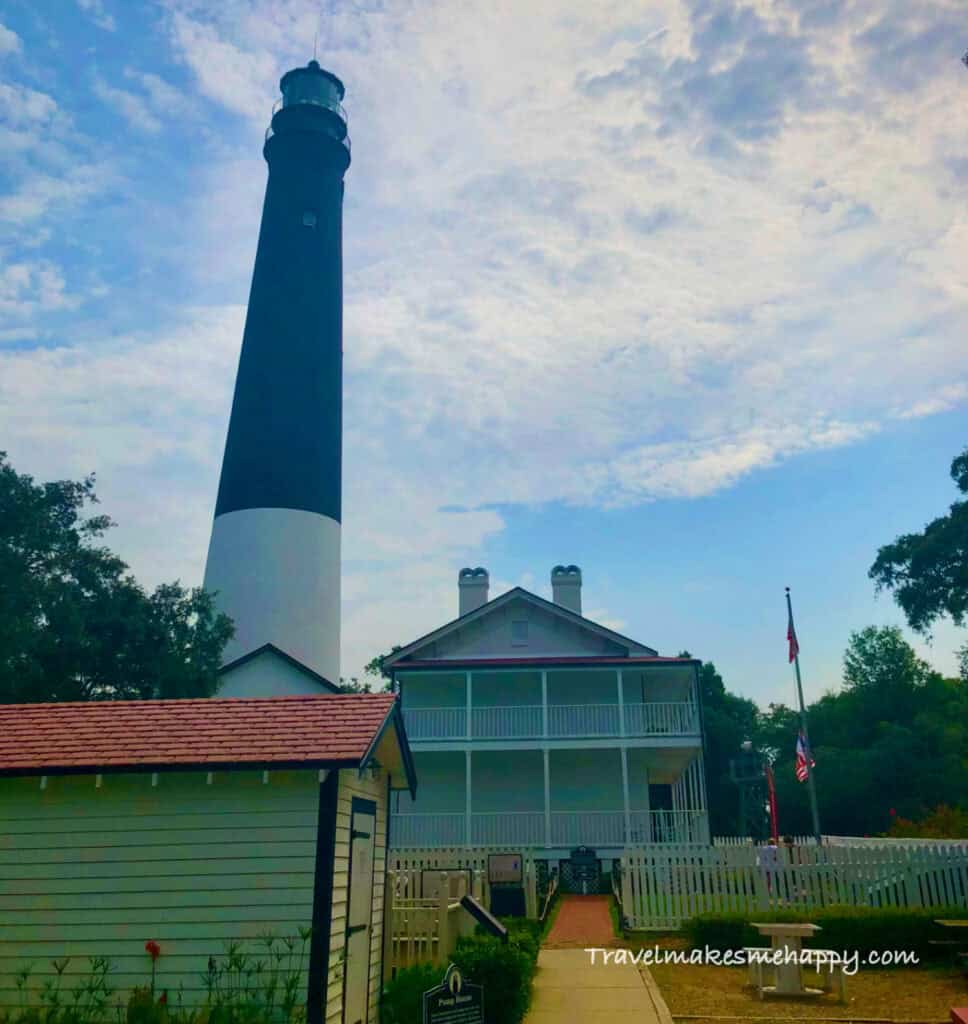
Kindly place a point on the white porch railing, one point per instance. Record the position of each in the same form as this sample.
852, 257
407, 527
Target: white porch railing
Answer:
523, 828
428, 830
496, 723
568, 829
526, 721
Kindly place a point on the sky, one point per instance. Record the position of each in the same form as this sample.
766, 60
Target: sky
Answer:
674, 291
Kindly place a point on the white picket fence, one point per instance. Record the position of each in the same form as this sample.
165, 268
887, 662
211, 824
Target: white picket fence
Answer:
425, 929
663, 885
414, 866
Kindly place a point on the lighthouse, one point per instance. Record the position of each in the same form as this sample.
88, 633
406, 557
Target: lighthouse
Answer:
274, 555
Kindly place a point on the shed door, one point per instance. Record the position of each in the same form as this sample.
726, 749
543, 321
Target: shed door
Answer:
359, 918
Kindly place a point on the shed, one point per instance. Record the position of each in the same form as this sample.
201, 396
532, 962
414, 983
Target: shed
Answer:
195, 824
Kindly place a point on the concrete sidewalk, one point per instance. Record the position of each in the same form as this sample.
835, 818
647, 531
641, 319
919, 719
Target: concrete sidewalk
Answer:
569, 990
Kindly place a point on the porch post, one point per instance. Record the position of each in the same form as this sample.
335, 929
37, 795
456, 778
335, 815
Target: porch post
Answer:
547, 797
625, 794
621, 703
468, 694
701, 774
544, 711
467, 810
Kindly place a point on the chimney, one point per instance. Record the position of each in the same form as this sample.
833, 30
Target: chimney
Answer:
472, 589
566, 587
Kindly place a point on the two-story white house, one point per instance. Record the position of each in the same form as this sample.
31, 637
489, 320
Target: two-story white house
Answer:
534, 727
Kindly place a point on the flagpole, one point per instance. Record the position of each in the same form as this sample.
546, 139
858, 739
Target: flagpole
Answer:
806, 736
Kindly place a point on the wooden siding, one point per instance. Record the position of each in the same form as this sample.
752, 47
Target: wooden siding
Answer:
88, 871
369, 789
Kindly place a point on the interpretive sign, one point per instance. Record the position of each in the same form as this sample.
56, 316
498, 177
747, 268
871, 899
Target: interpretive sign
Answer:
454, 1002
503, 868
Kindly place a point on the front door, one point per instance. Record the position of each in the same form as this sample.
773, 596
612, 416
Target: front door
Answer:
359, 916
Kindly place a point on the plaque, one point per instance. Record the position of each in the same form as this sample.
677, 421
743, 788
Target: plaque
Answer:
454, 1002
503, 868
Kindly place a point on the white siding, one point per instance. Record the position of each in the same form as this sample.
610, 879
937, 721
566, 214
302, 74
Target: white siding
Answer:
87, 871
268, 675
369, 789
548, 635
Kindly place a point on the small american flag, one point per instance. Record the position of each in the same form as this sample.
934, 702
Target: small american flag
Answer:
804, 763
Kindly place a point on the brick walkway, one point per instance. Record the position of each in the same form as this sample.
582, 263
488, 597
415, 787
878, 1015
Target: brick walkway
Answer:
581, 921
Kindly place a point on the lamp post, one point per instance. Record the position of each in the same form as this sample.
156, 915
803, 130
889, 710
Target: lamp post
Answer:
747, 772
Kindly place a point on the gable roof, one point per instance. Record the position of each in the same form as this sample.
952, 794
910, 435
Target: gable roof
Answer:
288, 658
519, 593
208, 733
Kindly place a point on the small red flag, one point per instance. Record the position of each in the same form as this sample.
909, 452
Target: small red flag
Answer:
792, 639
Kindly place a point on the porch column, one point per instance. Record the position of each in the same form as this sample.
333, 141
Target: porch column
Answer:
544, 713
621, 703
625, 794
705, 836
468, 695
547, 796
467, 796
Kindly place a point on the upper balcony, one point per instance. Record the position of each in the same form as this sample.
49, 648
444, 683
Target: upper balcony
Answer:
552, 704
554, 721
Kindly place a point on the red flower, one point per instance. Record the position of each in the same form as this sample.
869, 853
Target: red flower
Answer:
153, 949
892, 812
164, 998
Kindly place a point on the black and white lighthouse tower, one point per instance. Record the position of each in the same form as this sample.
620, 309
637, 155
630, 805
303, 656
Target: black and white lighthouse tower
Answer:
274, 556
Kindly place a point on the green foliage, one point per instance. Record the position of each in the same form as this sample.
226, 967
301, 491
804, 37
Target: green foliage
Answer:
239, 990
942, 823
143, 1008
402, 1001
928, 571
74, 624
504, 970
850, 929
86, 1003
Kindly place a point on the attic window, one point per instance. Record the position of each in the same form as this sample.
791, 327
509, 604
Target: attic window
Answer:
519, 633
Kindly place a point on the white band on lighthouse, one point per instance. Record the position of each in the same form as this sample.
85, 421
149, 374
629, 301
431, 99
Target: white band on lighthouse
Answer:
277, 573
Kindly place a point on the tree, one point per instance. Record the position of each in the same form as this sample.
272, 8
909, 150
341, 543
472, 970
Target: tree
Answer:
928, 571
74, 624
727, 721
894, 738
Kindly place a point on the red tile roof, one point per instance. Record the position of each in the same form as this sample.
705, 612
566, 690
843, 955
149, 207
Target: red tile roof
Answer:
209, 732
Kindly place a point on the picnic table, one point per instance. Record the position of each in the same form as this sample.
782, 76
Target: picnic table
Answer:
788, 976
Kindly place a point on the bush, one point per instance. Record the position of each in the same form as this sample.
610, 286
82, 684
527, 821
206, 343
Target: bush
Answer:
504, 970
850, 929
402, 1001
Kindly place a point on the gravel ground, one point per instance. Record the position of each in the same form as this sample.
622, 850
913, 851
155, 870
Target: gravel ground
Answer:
903, 994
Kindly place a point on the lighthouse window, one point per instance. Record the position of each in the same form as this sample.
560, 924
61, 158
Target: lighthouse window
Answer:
309, 219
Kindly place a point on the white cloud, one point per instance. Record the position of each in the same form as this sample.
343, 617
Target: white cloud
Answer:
133, 108
98, 13
595, 254
29, 288
10, 42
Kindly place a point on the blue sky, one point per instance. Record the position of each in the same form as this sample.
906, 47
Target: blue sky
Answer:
671, 290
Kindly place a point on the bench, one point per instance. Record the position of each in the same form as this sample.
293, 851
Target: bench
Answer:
830, 966
756, 975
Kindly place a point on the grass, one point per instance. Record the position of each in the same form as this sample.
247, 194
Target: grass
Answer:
908, 994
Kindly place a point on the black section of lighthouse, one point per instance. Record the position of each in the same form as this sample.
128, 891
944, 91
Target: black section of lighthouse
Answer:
274, 556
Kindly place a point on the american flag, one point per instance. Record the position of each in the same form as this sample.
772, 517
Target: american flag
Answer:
803, 768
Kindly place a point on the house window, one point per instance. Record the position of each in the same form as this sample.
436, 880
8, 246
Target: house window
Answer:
309, 219
519, 633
